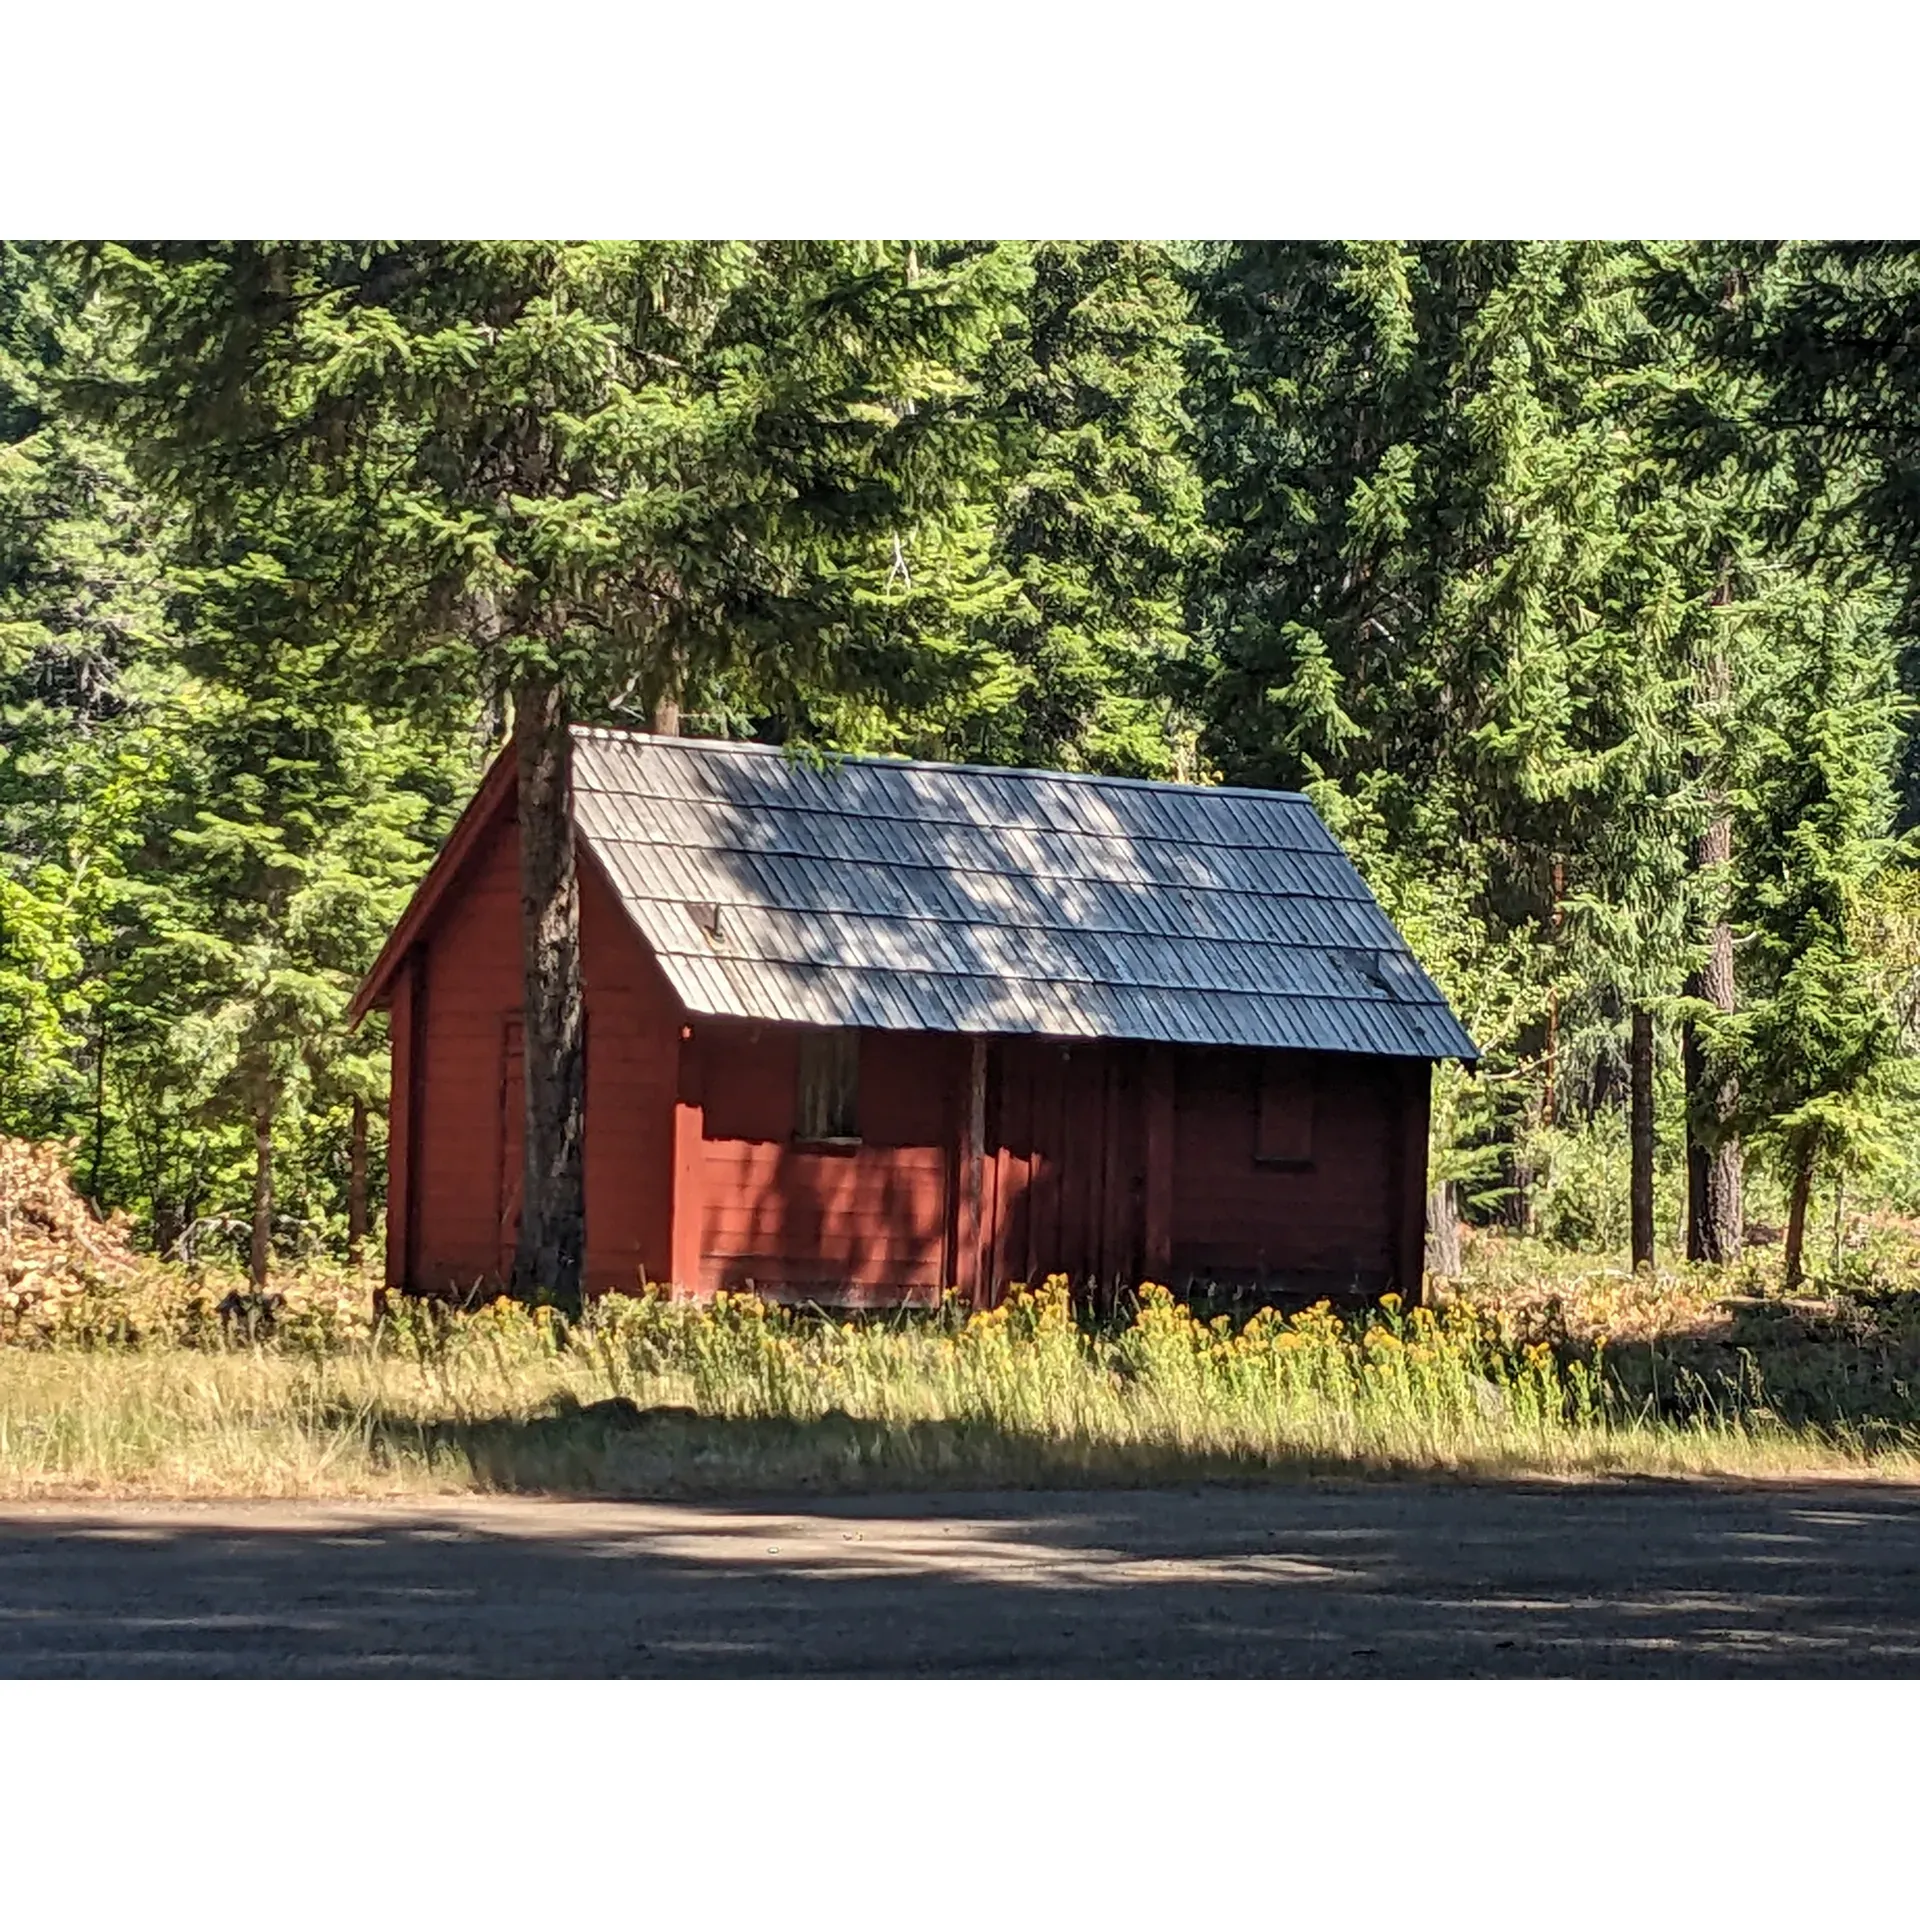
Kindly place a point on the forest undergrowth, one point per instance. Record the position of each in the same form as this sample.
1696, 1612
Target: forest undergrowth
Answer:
152, 1381
123, 1374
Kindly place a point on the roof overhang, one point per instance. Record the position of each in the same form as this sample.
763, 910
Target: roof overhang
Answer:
1078, 908
493, 797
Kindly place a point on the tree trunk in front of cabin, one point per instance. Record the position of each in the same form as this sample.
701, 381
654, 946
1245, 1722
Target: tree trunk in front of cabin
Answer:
550, 1252
260, 1250
1715, 1203
1640, 1135
1795, 1250
1443, 1231
357, 1186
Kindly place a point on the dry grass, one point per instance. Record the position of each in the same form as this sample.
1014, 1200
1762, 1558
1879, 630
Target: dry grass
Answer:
1839, 1353
119, 1375
648, 1397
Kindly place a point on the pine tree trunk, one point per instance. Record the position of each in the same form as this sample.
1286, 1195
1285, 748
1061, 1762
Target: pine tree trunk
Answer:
1795, 1251
1516, 1204
549, 1256
357, 1186
1640, 1135
261, 1249
1715, 1203
1443, 1231
1715, 1198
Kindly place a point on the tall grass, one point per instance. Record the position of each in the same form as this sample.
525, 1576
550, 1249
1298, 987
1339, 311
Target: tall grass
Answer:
646, 1395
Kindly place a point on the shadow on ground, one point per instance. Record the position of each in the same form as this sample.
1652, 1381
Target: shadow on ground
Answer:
615, 1447
1850, 1363
1341, 1581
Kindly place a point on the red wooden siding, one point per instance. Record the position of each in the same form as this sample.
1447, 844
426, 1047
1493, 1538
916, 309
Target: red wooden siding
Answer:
1066, 1164
462, 1162
633, 1064
470, 968
979, 1162
511, 1132
1412, 1103
864, 1224
1330, 1226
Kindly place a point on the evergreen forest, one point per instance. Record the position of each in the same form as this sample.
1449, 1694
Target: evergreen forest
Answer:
1577, 583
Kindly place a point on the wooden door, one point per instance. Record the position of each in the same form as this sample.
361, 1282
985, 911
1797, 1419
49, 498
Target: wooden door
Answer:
1065, 1170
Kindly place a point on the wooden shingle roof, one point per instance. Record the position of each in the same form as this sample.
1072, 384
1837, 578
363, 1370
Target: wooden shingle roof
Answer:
923, 895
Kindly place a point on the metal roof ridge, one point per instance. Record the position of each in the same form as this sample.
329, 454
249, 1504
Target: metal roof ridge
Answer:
690, 742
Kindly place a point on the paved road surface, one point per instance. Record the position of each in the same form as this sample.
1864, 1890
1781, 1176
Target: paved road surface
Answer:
1404, 1580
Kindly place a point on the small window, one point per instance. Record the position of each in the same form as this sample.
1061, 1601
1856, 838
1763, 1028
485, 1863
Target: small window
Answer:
829, 1105
1285, 1129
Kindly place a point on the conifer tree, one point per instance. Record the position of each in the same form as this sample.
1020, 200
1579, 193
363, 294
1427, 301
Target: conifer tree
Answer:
1452, 603
1715, 1170
1797, 413
1822, 1068
83, 616
1097, 511
283, 840
1824, 332
548, 471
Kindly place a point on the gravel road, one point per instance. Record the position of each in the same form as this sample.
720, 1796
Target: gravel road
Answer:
1412, 1580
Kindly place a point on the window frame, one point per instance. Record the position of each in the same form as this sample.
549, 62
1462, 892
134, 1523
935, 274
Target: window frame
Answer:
827, 1089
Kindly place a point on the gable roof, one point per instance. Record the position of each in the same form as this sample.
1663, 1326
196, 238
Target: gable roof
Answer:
923, 895
929, 896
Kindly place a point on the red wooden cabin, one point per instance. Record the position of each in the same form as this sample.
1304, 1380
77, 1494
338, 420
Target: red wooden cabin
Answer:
865, 1032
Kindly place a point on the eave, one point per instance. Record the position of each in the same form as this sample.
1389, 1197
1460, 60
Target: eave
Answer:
493, 796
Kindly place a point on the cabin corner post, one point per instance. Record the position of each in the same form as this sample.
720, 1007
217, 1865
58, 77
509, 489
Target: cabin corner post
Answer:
1410, 1261
970, 1152
687, 1223
1158, 1236
406, 1044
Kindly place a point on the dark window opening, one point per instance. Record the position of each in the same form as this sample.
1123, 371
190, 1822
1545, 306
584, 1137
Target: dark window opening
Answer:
1284, 1136
829, 1103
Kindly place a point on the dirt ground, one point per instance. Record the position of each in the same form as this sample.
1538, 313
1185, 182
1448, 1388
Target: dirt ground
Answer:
1412, 1580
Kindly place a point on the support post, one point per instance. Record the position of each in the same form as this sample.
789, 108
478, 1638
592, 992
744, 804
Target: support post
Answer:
1159, 1195
1410, 1210
689, 1173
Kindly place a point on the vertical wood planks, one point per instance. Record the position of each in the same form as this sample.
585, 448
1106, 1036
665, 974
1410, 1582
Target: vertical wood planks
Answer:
1158, 1096
510, 1180
970, 1155
689, 1171
1113, 1178
1010, 1225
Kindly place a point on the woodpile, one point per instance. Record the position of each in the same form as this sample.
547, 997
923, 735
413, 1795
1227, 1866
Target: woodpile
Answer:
53, 1247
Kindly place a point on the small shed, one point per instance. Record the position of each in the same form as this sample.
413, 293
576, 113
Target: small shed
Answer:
863, 1032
